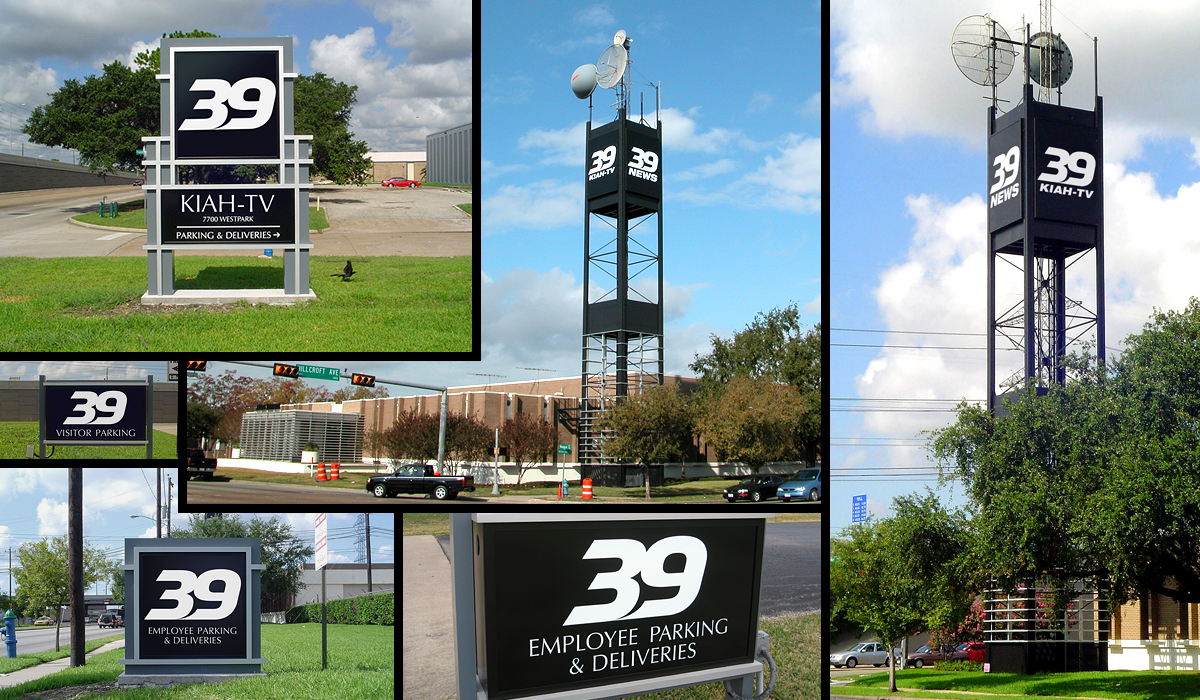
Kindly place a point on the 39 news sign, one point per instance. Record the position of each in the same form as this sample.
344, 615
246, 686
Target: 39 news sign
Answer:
95, 412
640, 162
227, 103
567, 605
192, 606
1058, 160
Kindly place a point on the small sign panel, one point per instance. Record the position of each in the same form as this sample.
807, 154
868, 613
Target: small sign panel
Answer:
227, 104
317, 372
321, 542
95, 413
1068, 177
193, 605
1005, 177
626, 601
643, 161
858, 505
263, 215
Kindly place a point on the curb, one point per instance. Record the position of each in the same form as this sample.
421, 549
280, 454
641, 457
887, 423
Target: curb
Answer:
98, 227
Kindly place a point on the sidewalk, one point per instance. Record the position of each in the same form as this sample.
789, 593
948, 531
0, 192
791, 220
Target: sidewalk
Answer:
428, 659
35, 672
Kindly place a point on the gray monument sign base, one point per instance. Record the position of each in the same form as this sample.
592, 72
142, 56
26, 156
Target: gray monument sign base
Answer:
227, 296
128, 680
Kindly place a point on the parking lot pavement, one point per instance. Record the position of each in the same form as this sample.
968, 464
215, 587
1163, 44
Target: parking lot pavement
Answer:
428, 659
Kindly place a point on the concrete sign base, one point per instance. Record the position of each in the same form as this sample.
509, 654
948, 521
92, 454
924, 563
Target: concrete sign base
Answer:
126, 680
227, 296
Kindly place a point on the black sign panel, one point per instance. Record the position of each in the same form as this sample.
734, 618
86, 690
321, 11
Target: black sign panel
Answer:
1068, 184
643, 167
95, 414
257, 216
602, 161
1005, 176
227, 104
573, 605
192, 605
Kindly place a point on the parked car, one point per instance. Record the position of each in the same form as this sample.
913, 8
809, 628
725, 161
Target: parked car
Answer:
874, 653
804, 485
200, 465
44, 620
971, 651
400, 182
756, 488
928, 655
419, 478
111, 620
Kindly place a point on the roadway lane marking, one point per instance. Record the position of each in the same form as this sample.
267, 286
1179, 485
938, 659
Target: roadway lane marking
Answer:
111, 236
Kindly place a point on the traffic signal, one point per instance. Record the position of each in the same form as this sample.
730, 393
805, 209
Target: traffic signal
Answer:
362, 379
194, 366
282, 370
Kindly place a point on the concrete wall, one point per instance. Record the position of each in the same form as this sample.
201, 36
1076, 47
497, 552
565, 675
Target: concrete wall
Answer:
19, 401
24, 173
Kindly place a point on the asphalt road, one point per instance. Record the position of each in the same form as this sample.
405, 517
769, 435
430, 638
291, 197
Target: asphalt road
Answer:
243, 492
31, 641
34, 223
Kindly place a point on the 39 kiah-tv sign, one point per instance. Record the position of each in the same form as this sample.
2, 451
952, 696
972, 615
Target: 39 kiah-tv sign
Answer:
569, 605
227, 104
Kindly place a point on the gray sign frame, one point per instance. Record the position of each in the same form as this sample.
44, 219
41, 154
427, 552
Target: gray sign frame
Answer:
43, 420
162, 173
164, 671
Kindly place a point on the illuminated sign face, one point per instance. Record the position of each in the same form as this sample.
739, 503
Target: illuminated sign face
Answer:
263, 215
583, 604
95, 413
192, 605
227, 104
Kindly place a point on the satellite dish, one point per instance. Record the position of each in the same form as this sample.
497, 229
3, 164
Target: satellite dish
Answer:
611, 65
583, 82
619, 38
1057, 55
980, 57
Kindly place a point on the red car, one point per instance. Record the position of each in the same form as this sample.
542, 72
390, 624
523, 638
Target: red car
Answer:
971, 651
400, 182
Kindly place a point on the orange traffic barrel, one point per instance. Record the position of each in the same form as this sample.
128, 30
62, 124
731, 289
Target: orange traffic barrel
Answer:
587, 489
321, 472
334, 475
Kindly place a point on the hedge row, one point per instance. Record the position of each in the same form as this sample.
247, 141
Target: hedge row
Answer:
378, 609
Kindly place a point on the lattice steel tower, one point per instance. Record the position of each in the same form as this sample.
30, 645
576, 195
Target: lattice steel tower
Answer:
623, 271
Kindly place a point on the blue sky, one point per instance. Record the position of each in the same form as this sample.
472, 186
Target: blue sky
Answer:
411, 60
33, 505
907, 242
741, 167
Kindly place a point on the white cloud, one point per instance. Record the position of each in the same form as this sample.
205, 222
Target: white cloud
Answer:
433, 31
52, 518
536, 205
25, 83
790, 180
6, 538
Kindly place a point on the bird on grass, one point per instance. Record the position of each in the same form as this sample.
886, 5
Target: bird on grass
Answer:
345, 273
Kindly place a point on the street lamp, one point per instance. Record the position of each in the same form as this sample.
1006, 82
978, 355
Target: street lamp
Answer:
147, 517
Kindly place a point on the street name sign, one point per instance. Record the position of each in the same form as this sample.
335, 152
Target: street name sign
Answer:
315, 372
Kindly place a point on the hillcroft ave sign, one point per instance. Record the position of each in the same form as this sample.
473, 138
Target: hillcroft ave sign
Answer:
226, 102
81, 412
192, 610
589, 606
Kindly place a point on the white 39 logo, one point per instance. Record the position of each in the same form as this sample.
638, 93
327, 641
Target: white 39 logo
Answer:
1082, 163
635, 559
110, 402
1006, 169
603, 159
201, 587
644, 160
235, 96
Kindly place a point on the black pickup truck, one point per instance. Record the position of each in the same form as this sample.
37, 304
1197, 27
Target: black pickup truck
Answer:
200, 465
419, 478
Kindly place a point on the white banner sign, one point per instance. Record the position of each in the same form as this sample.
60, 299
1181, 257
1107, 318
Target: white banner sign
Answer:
322, 552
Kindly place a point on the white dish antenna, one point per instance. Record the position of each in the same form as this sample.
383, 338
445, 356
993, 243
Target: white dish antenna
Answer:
583, 82
619, 38
982, 50
611, 66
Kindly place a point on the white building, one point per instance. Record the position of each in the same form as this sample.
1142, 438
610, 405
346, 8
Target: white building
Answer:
345, 581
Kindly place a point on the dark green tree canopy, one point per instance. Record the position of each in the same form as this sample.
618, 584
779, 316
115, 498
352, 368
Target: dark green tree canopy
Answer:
1100, 477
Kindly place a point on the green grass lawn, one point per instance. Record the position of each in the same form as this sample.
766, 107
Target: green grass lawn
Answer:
16, 435
361, 666
397, 304
1119, 685
21, 661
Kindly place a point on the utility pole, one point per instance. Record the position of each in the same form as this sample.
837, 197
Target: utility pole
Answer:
158, 506
75, 563
368, 552
169, 485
